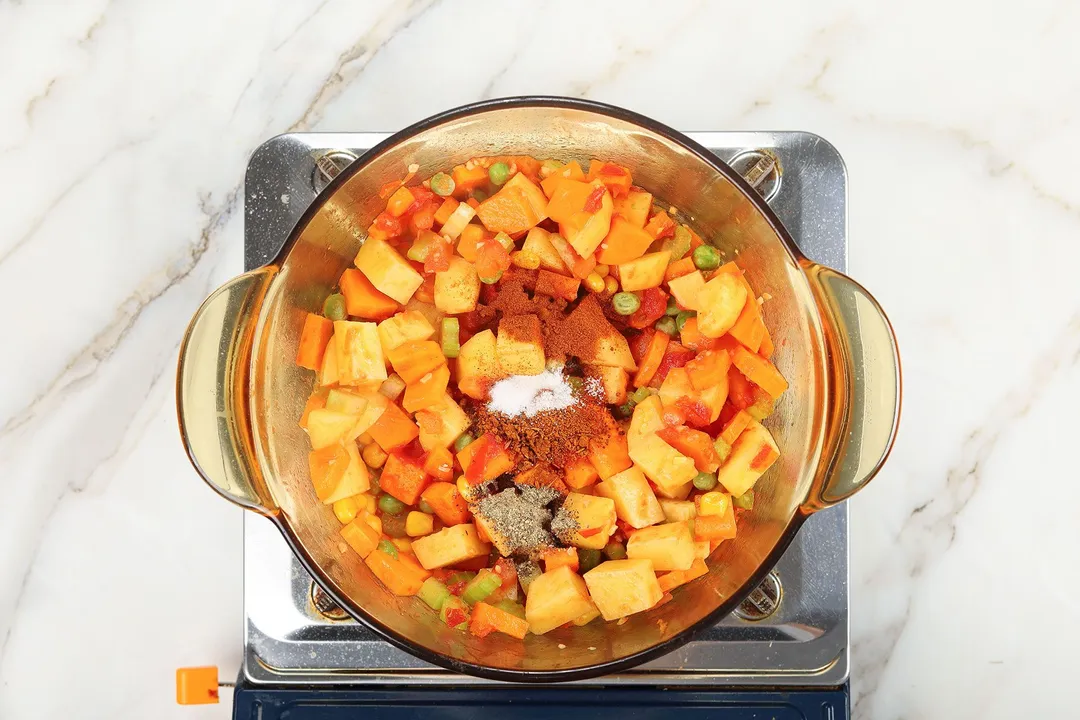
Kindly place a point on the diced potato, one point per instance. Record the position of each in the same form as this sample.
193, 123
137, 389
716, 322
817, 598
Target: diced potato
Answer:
612, 350
516, 207
345, 401
487, 527
752, 454
402, 328
687, 289
537, 242
680, 492
678, 510
595, 516
623, 587
669, 546
457, 221
457, 289
326, 427
614, 381
587, 617
664, 465
721, 301
520, 346
449, 546
635, 502
478, 365
328, 373
645, 272
586, 237
354, 481
441, 424
361, 537
359, 353
634, 206
391, 274
556, 598
702, 549
377, 403
646, 420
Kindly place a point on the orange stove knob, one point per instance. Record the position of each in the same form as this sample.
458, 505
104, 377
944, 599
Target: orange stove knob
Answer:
197, 685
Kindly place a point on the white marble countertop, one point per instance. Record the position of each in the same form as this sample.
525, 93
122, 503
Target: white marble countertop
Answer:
124, 134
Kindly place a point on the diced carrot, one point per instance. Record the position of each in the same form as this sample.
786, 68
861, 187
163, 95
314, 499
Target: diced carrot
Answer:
440, 465
624, 242
447, 502
468, 179
469, 239
487, 619
651, 362
400, 201
571, 170
611, 456
679, 268
660, 225
734, 427
694, 444
473, 203
740, 389
558, 557
362, 299
692, 338
760, 371
708, 368
749, 328
326, 467
716, 527
766, 349
728, 267
393, 429
313, 340
415, 359
399, 577
616, 178
361, 537
675, 578
426, 391
580, 473
404, 478
557, 286
449, 205
494, 459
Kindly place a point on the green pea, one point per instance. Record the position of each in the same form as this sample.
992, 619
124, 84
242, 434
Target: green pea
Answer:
442, 184
463, 440
479, 195
389, 548
672, 307
576, 383
706, 257
614, 551
391, 505
705, 481
423, 507
588, 559
625, 303
682, 317
499, 173
667, 325
334, 307
744, 501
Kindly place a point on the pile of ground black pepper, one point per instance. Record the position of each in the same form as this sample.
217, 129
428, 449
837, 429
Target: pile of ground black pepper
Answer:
528, 519
551, 436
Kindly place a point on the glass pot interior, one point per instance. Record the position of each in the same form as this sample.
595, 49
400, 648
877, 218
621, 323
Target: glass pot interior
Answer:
324, 245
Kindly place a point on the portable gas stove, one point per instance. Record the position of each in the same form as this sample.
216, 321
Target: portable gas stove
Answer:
782, 654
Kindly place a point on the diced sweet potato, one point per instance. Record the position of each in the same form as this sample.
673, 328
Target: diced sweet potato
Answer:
362, 299
449, 546
556, 598
441, 424
415, 359
313, 341
393, 429
404, 478
760, 371
402, 328
625, 242
446, 501
399, 577
557, 286
623, 587
669, 546
635, 502
387, 270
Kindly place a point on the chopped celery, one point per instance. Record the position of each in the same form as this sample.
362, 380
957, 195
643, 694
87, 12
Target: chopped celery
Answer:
723, 449
744, 501
451, 343
505, 240
511, 607
679, 243
614, 551
442, 184
433, 593
485, 583
667, 325
641, 395
463, 441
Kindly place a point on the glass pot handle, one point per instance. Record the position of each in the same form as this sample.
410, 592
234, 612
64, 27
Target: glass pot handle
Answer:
212, 390
863, 367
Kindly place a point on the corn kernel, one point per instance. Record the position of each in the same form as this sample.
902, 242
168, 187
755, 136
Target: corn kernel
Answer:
464, 488
602, 270
418, 524
374, 521
365, 440
402, 544
713, 503
374, 456
346, 510
611, 285
525, 259
594, 282
370, 503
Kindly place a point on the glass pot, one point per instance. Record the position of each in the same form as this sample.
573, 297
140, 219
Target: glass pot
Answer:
239, 393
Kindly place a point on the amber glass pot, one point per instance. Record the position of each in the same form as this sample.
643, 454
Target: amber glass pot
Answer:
239, 394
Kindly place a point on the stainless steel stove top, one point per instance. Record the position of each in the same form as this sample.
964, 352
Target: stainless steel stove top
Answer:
292, 638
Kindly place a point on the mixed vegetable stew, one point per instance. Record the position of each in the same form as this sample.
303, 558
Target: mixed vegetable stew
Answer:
538, 396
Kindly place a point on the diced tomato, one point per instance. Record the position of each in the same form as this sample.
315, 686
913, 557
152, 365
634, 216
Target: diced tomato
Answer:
423, 218
740, 390
438, 257
595, 199
675, 356
696, 413
455, 616
639, 344
589, 532
388, 224
388, 189
653, 307
492, 449
492, 260
422, 196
